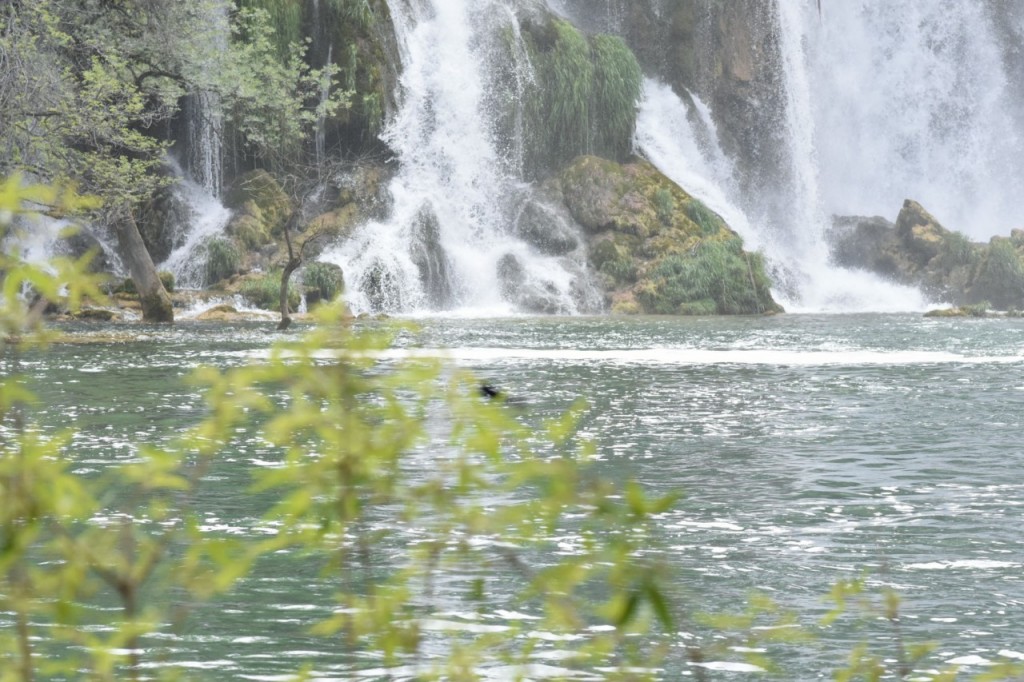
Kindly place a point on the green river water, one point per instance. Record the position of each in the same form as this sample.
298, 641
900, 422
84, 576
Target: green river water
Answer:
808, 448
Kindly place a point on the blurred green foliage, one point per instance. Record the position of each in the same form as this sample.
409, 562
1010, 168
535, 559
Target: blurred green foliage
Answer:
86, 561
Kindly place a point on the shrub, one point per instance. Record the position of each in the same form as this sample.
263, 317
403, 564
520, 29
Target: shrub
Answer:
617, 83
167, 279
707, 220
324, 280
1001, 276
264, 291
222, 260
664, 205
957, 249
716, 277
585, 96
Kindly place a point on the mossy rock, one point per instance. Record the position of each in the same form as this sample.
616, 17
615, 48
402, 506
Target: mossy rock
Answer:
265, 193
978, 310
635, 198
249, 226
613, 259
219, 313
657, 249
336, 224
95, 314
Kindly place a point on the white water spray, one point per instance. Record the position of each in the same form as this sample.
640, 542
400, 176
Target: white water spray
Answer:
448, 243
207, 220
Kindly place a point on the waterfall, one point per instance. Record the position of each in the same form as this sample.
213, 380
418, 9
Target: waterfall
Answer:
204, 153
204, 157
913, 99
451, 242
679, 137
888, 101
681, 140
205, 218
320, 139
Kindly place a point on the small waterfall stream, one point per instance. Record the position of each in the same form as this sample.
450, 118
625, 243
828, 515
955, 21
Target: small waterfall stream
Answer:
201, 171
207, 220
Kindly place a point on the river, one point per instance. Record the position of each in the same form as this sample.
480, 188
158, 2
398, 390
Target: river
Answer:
808, 448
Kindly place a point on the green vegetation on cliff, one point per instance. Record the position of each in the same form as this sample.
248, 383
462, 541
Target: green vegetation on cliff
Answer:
584, 97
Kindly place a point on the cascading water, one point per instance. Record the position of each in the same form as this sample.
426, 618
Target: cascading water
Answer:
450, 241
206, 220
320, 138
914, 99
906, 99
204, 154
200, 182
681, 140
679, 137
204, 157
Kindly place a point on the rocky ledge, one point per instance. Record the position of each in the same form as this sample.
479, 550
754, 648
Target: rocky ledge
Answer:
918, 251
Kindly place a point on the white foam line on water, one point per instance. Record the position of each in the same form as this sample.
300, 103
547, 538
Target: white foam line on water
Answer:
673, 356
695, 356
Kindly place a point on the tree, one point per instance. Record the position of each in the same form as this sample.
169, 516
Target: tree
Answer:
78, 103
86, 86
344, 436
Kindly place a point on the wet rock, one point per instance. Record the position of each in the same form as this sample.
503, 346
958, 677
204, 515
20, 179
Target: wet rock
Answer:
547, 227
528, 294
163, 222
95, 314
431, 260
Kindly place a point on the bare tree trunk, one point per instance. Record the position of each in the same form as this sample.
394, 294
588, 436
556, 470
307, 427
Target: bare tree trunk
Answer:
291, 266
156, 303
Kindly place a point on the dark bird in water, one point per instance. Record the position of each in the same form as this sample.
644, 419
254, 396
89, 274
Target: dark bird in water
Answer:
492, 392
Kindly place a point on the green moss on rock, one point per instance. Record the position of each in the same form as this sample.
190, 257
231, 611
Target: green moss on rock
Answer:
259, 196
657, 249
